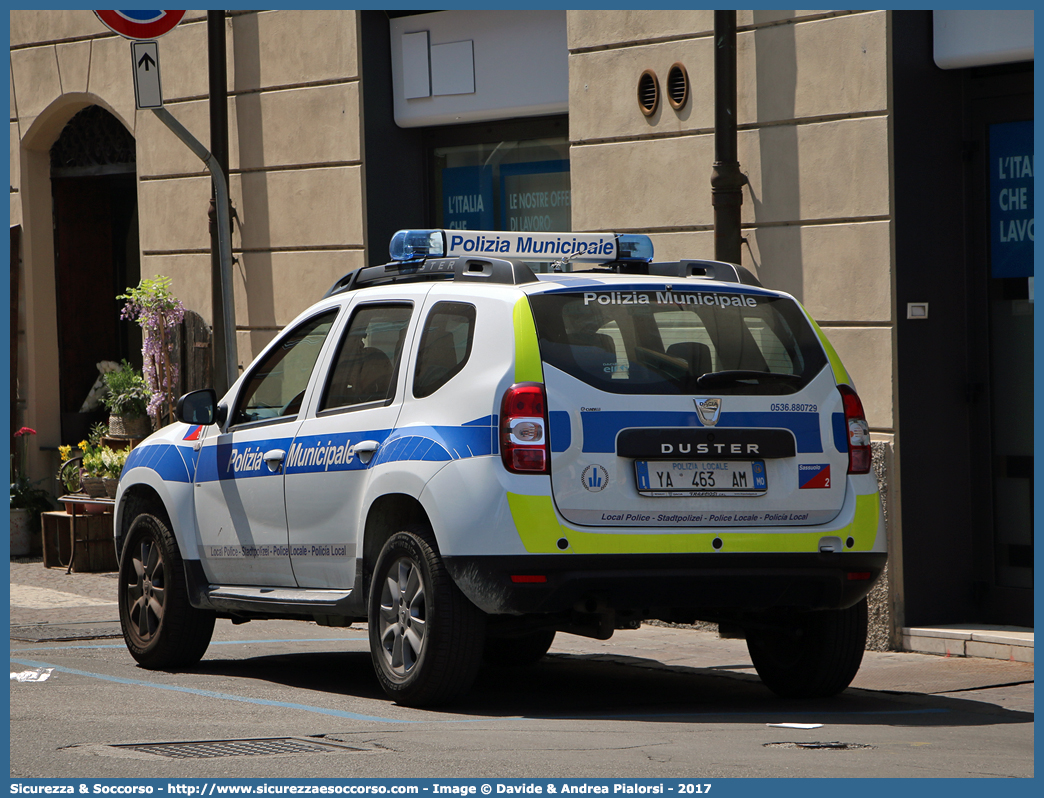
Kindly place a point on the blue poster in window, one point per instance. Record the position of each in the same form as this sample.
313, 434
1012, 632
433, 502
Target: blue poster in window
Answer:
1011, 199
535, 197
467, 198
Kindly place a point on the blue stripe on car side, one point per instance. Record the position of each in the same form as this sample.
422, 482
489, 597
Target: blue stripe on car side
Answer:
165, 459
840, 432
561, 430
313, 453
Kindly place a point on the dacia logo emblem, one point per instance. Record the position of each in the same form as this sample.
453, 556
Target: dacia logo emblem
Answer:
709, 410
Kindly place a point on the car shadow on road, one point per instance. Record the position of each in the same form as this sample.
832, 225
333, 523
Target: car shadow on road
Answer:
600, 687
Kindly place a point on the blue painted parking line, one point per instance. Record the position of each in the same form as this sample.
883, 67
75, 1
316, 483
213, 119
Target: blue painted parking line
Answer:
224, 696
376, 719
212, 642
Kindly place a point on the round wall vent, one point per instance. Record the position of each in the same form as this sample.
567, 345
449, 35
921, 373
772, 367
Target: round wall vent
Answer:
648, 92
677, 86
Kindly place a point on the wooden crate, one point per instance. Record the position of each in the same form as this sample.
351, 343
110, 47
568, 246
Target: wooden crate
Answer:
93, 549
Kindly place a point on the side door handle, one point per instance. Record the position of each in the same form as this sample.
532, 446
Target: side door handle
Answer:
365, 450
274, 458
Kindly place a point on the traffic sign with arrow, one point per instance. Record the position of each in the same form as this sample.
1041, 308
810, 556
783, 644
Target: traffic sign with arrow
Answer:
145, 60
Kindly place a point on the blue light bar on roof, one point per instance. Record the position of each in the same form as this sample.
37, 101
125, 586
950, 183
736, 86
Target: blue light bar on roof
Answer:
414, 244
635, 247
545, 247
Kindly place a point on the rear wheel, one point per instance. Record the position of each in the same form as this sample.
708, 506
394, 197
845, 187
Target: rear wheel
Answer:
518, 650
161, 628
426, 638
811, 654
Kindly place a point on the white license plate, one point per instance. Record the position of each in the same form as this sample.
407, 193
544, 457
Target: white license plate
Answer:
701, 477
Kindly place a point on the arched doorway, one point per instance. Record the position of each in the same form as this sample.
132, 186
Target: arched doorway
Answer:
94, 195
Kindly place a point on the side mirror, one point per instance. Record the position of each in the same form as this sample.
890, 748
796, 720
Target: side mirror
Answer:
197, 407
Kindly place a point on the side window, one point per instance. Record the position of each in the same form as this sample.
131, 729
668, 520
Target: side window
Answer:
445, 346
368, 360
277, 384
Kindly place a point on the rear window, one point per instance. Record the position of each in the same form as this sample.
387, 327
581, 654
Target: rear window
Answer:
678, 342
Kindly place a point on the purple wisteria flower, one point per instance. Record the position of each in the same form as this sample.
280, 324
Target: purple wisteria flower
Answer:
158, 312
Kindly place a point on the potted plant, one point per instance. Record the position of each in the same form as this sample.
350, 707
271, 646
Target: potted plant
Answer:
91, 467
27, 499
113, 461
127, 397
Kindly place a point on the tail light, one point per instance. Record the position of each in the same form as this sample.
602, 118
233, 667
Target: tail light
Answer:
523, 429
857, 430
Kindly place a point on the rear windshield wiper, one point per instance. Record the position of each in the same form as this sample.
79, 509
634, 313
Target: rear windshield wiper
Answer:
714, 378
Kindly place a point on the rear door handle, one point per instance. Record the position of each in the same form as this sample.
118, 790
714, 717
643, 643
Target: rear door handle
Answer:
365, 449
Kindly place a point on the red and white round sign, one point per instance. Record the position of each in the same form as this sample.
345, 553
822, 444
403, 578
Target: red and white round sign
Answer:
140, 24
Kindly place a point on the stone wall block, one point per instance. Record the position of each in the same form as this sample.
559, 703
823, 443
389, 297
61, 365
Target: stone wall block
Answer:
74, 64
36, 81
840, 272
28, 27
273, 288
642, 185
309, 207
826, 67
173, 213
325, 48
827, 170
299, 126
602, 28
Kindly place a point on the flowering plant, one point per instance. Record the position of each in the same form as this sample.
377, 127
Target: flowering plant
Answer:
158, 312
24, 494
104, 462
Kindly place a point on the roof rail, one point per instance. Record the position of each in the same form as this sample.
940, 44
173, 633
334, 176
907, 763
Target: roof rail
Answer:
705, 269
471, 269
708, 269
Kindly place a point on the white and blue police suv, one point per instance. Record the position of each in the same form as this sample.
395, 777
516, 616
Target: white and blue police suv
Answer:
471, 457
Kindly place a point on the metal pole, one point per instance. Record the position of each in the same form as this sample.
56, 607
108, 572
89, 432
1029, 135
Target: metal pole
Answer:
224, 234
726, 179
219, 149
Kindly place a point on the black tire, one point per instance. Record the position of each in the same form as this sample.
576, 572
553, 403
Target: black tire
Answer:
426, 638
161, 629
811, 654
519, 650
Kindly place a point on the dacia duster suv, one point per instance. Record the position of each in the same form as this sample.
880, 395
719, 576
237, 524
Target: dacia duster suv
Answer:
470, 457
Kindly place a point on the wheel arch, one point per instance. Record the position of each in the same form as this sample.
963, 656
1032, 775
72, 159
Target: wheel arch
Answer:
387, 515
148, 491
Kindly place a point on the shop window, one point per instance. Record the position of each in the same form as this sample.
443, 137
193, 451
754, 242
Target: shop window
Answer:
517, 185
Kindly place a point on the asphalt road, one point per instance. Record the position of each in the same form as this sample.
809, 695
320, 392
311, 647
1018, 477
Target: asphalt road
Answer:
650, 703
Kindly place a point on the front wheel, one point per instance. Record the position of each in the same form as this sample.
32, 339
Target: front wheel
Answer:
161, 628
810, 654
426, 638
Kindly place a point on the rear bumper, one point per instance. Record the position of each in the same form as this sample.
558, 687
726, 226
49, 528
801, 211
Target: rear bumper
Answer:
666, 585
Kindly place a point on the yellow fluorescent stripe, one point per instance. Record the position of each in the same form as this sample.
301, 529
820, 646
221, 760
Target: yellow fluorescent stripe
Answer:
528, 367
840, 373
540, 531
